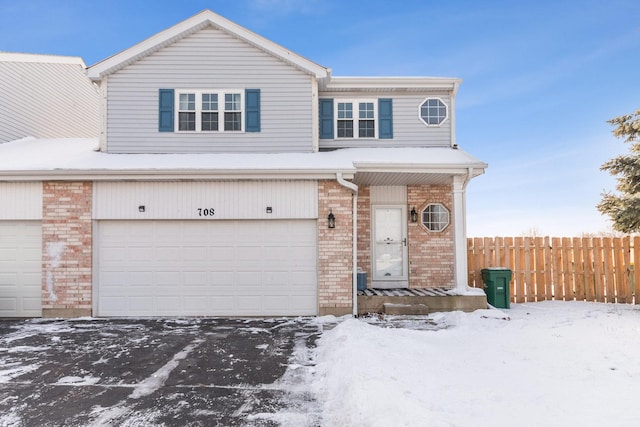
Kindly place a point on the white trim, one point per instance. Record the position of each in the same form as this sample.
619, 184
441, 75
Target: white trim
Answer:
191, 25
341, 84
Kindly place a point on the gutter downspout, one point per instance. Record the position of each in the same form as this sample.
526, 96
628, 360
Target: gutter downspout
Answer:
354, 188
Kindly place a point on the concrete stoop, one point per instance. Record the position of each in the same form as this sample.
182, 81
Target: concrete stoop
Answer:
406, 304
404, 309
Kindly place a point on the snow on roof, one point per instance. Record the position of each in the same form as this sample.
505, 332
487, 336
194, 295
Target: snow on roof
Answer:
31, 156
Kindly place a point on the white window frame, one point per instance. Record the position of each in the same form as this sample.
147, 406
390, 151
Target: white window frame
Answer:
221, 109
442, 224
446, 116
356, 117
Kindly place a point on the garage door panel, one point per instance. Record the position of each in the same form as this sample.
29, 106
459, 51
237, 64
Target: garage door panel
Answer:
20, 268
8, 305
208, 268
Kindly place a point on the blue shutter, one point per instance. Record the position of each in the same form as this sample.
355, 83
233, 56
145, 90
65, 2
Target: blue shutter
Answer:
165, 115
252, 110
385, 118
326, 118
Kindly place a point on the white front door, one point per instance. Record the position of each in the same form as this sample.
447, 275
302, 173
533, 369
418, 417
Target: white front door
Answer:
389, 231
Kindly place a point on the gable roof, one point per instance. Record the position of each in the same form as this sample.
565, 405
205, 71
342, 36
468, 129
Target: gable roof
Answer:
192, 25
46, 96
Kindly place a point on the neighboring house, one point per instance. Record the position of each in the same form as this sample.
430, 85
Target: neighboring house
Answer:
46, 96
222, 163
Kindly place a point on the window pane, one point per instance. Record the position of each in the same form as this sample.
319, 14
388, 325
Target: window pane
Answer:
345, 110
345, 128
232, 102
435, 217
232, 121
209, 121
366, 129
366, 110
209, 101
186, 121
433, 111
188, 101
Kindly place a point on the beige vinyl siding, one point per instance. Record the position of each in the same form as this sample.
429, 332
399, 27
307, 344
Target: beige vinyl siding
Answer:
46, 100
229, 200
408, 129
209, 59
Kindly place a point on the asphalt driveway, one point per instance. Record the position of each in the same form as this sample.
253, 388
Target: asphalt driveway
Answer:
172, 372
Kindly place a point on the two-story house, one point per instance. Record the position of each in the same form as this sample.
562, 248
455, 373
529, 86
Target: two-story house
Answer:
233, 177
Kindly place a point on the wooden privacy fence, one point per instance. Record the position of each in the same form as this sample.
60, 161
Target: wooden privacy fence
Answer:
561, 268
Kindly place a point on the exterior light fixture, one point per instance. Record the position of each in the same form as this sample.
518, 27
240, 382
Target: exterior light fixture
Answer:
332, 219
141, 208
414, 215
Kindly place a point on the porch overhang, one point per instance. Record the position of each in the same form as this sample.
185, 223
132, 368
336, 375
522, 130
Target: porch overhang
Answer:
411, 174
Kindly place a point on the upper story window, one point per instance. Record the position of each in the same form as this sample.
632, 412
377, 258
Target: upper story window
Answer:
356, 119
202, 111
433, 111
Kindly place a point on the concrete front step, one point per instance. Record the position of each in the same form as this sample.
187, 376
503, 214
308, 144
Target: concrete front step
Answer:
405, 309
375, 304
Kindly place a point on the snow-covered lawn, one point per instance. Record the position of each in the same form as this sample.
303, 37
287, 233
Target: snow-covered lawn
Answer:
538, 364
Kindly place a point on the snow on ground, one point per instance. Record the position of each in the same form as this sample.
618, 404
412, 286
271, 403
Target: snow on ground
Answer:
547, 363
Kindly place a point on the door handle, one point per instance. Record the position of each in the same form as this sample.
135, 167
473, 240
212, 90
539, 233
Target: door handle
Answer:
404, 241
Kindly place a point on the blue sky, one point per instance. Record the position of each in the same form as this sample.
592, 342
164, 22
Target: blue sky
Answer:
540, 79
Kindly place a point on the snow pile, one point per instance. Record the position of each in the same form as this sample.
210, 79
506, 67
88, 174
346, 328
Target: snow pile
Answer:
552, 364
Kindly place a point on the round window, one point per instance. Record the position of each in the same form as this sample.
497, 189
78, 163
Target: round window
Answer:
435, 217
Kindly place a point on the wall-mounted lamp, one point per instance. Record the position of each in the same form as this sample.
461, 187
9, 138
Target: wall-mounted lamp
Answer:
331, 219
414, 215
141, 208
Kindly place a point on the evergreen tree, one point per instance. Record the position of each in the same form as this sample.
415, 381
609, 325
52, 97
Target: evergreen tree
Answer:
623, 207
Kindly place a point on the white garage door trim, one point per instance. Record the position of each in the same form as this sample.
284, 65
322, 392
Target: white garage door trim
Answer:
207, 268
20, 268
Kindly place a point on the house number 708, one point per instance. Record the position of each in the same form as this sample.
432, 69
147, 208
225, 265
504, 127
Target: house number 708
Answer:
206, 212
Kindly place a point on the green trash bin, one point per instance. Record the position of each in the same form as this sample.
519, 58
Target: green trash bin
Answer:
496, 286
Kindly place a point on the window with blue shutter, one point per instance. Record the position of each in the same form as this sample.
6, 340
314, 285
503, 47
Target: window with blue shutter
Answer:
385, 118
326, 118
252, 110
165, 115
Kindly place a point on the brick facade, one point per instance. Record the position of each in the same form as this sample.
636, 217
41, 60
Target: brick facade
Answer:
67, 248
335, 250
431, 253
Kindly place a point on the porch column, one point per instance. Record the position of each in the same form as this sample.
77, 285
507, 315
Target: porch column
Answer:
460, 233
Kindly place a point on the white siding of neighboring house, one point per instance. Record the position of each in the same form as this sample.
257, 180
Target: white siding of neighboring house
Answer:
209, 59
187, 200
46, 97
408, 129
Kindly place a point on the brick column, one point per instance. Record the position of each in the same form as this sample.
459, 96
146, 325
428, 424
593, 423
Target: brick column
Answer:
335, 250
431, 253
364, 230
67, 249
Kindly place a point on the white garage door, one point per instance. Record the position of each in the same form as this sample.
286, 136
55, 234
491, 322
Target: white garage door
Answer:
208, 268
20, 268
